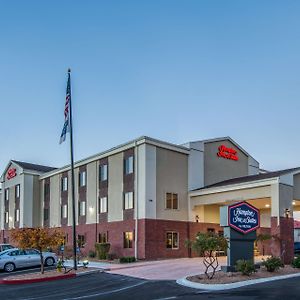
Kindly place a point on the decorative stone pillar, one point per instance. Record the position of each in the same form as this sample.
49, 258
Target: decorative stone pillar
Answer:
282, 244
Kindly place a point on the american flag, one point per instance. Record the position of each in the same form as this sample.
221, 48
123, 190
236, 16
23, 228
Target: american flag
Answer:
66, 127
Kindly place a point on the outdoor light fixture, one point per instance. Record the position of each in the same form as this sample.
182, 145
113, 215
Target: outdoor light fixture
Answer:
267, 205
10, 219
294, 202
91, 209
287, 212
197, 218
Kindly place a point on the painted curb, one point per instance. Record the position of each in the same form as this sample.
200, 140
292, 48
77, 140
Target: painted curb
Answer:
229, 286
33, 280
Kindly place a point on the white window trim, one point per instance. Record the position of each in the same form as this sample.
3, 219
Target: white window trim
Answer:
104, 172
103, 200
128, 202
172, 232
172, 201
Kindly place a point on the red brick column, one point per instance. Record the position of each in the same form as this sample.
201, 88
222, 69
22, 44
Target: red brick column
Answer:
282, 244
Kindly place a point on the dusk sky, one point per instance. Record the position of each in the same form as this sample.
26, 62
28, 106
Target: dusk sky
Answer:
173, 70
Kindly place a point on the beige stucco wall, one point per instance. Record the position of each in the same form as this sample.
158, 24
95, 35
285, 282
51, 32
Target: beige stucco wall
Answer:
54, 201
217, 169
171, 177
36, 205
115, 187
91, 192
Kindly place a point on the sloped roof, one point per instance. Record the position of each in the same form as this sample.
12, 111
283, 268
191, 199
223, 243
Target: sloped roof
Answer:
250, 178
34, 167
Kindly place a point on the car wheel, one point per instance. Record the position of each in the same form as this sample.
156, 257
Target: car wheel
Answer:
49, 261
9, 267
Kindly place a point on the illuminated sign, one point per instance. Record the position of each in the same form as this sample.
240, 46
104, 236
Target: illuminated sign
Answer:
11, 173
228, 153
243, 217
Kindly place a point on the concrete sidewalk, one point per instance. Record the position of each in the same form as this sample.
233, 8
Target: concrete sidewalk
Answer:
167, 269
170, 269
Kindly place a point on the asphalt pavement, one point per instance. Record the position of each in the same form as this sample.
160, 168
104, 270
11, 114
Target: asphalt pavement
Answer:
111, 286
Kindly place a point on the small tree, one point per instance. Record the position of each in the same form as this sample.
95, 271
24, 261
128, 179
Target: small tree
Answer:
208, 245
37, 238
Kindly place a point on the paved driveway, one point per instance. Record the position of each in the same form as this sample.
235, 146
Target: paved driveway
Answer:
169, 269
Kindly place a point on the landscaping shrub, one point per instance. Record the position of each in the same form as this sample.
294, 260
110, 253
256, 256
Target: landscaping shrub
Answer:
273, 264
246, 267
102, 250
127, 259
92, 254
208, 245
296, 262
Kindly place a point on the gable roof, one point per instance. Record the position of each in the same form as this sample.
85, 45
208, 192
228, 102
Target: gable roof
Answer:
33, 167
250, 178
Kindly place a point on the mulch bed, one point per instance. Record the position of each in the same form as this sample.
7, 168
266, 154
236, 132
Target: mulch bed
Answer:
230, 277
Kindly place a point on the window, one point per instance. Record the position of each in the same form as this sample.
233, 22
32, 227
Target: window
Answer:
103, 205
82, 178
129, 165
128, 200
46, 214
128, 238
171, 201
6, 217
17, 191
210, 230
103, 237
172, 240
82, 208
32, 252
64, 184
17, 215
81, 241
220, 233
103, 172
6, 194
64, 211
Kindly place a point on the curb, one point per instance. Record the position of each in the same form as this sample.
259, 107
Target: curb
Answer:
229, 286
33, 280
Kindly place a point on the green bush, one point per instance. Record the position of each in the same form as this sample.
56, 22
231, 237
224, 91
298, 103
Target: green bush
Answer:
127, 259
102, 250
246, 267
296, 262
92, 254
273, 264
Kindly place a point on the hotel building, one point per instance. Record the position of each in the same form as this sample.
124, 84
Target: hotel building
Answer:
147, 197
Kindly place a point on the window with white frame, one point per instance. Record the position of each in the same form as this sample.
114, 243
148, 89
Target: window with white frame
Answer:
171, 201
103, 172
82, 208
172, 240
6, 217
64, 184
128, 239
128, 200
64, 211
17, 215
103, 205
6, 194
82, 178
17, 191
129, 165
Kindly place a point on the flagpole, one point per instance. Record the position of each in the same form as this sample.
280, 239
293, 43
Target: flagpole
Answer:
72, 179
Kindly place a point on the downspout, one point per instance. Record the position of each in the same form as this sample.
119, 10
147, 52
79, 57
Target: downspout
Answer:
136, 159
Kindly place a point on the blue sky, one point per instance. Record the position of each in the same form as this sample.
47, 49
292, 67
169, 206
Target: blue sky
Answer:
172, 70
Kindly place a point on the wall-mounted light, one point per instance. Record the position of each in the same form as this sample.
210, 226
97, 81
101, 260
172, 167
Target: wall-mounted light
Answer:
287, 212
294, 202
197, 218
267, 205
10, 219
91, 209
